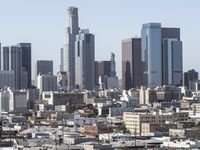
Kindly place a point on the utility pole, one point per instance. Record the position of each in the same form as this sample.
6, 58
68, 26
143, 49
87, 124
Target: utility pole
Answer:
135, 138
10, 134
55, 141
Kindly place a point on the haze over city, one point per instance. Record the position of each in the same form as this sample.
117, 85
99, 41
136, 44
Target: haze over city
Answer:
43, 24
99, 75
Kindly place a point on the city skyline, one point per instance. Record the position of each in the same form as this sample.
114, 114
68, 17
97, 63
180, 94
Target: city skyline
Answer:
45, 27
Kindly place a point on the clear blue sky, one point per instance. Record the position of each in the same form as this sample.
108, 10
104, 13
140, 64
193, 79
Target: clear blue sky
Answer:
42, 22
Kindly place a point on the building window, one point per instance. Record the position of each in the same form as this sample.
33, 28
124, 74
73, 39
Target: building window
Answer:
78, 49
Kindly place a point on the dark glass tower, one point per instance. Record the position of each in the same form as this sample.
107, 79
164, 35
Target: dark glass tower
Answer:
26, 60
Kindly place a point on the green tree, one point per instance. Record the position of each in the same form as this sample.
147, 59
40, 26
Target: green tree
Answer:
123, 128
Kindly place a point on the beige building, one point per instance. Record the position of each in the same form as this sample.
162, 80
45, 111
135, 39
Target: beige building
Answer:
196, 108
193, 133
146, 96
133, 120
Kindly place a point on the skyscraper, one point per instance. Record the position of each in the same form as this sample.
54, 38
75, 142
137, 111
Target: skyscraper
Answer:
172, 62
131, 63
189, 77
26, 62
16, 64
152, 54
172, 68
44, 67
18, 59
102, 68
61, 60
5, 57
84, 60
69, 45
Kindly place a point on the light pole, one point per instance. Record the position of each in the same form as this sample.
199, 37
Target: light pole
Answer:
55, 141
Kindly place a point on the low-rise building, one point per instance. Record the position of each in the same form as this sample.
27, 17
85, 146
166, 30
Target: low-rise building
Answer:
192, 133
153, 127
133, 120
91, 130
68, 99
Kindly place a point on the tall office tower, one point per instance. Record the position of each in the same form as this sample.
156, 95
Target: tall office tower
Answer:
189, 77
112, 65
131, 63
172, 62
18, 59
84, 60
69, 45
102, 68
26, 64
170, 33
6, 58
46, 82
16, 64
152, 54
44, 67
61, 60
172, 65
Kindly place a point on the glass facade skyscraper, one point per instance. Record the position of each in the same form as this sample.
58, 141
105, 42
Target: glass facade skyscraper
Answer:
151, 54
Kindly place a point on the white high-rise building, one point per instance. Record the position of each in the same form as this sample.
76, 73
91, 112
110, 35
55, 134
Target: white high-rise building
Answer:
69, 45
84, 60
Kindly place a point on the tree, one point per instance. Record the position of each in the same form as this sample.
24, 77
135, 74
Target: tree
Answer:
28, 114
123, 128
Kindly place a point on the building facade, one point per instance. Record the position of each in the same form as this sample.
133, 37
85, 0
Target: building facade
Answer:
16, 64
102, 68
62, 80
46, 82
131, 63
84, 60
44, 67
7, 79
172, 57
61, 59
26, 63
18, 59
151, 54
134, 120
189, 77
69, 45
